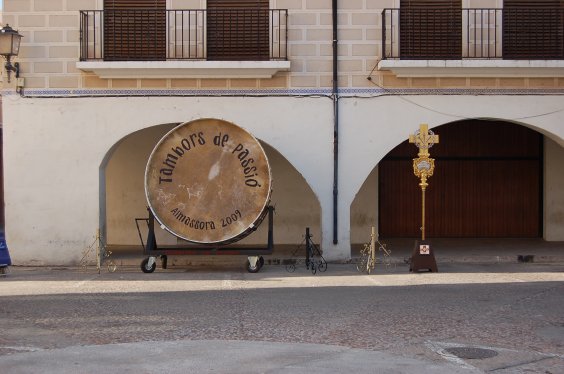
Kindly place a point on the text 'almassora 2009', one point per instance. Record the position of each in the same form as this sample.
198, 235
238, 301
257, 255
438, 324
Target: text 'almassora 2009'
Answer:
208, 181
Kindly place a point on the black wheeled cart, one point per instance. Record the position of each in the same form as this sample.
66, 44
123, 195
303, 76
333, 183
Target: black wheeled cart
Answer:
151, 249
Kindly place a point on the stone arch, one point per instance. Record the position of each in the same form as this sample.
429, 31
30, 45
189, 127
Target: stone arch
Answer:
364, 208
122, 196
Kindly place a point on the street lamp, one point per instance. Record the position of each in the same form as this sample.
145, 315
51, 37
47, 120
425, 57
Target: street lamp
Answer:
10, 46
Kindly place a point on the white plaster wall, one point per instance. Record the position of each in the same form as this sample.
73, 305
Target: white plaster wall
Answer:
53, 149
554, 191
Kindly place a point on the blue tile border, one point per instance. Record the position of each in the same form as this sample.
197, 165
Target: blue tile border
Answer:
343, 92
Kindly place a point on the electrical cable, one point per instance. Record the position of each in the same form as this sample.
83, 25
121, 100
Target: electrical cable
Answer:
400, 96
80, 96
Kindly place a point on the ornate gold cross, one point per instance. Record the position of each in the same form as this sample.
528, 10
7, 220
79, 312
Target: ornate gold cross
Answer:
423, 165
424, 139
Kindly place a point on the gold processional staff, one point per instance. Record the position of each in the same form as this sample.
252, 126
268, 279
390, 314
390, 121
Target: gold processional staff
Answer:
423, 165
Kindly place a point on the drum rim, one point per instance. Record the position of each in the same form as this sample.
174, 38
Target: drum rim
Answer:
230, 239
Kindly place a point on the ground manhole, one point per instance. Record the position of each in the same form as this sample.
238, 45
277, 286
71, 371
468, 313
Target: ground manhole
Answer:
471, 352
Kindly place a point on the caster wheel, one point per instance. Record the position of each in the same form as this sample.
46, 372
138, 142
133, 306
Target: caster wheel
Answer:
146, 268
253, 269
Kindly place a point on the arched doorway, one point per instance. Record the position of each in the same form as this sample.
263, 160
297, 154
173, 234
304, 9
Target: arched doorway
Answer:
123, 197
488, 182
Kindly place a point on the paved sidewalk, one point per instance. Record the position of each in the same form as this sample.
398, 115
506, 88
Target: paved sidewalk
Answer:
224, 320
447, 250
207, 356
485, 250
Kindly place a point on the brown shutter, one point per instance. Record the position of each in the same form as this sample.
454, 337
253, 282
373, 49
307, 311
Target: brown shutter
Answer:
134, 30
431, 29
533, 29
237, 30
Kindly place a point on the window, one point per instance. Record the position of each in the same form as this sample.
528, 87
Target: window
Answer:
430, 29
533, 29
134, 30
238, 30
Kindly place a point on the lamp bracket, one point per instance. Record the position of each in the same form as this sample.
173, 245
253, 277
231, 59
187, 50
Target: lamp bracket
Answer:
12, 68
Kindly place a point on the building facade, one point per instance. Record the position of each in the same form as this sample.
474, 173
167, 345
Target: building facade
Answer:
102, 81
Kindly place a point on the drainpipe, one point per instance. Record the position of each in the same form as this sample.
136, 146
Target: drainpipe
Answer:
335, 127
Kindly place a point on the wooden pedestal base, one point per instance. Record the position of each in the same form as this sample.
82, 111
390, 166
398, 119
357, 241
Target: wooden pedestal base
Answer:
422, 257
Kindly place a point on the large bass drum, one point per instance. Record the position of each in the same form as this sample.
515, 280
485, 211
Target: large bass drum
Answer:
208, 181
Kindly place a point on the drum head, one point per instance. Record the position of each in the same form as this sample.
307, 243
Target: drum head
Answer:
208, 181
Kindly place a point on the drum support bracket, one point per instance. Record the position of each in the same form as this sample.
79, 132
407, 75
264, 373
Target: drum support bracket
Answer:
152, 249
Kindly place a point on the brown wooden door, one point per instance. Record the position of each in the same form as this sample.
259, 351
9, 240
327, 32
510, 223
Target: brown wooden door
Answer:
430, 29
134, 30
533, 29
487, 183
238, 30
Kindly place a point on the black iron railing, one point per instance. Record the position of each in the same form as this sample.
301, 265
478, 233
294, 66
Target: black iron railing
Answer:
149, 34
523, 33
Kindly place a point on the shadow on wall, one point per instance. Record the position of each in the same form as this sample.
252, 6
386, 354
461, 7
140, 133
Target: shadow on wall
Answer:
364, 211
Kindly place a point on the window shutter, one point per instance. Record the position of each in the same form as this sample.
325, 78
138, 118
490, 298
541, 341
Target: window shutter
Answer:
238, 30
533, 29
431, 29
134, 30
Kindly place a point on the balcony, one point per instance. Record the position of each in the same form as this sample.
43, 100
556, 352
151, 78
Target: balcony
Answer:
212, 43
473, 42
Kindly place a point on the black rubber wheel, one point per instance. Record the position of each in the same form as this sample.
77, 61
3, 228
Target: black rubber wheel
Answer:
261, 261
252, 269
147, 269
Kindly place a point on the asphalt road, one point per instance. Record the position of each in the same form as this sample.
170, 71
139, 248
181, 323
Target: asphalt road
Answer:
503, 318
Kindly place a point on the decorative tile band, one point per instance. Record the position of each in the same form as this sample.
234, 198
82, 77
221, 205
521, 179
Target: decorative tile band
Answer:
343, 92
